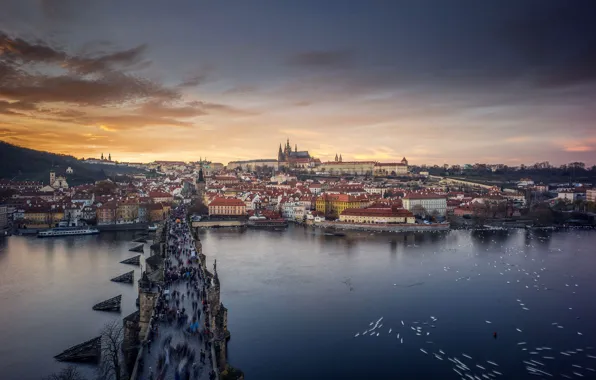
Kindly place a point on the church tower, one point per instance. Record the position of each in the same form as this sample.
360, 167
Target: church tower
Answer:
102, 156
280, 155
404, 161
340, 159
336, 159
200, 184
109, 157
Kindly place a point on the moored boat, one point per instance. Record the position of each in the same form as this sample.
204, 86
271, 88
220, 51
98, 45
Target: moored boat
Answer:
68, 231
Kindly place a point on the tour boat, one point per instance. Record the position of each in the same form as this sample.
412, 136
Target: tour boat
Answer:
67, 231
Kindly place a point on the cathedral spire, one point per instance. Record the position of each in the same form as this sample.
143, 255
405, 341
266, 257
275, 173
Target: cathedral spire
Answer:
336, 157
296, 148
340, 159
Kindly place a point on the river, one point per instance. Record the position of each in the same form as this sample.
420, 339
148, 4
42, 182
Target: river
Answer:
297, 299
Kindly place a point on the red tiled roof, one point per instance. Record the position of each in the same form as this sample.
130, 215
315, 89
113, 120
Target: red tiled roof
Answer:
347, 162
389, 164
423, 196
383, 212
159, 194
226, 202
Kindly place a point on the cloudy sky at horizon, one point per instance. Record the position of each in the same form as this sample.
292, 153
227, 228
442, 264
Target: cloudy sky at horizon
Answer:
458, 81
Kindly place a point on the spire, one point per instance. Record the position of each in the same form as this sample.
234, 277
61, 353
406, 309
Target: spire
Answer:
109, 157
102, 156
296, 148
340, 159
201, 177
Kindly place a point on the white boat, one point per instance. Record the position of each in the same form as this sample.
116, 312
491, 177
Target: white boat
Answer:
68, 231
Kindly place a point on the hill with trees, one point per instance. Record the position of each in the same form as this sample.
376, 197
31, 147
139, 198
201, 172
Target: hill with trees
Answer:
22, 164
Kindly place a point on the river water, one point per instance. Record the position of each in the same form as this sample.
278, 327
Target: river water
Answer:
297, 299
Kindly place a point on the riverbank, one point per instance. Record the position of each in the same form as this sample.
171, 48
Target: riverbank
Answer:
383, 227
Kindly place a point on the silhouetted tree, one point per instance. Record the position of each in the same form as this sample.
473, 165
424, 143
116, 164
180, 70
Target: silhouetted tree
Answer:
68, 373
111, 366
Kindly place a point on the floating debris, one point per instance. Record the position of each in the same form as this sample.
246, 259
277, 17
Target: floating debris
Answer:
467, 356
424, 351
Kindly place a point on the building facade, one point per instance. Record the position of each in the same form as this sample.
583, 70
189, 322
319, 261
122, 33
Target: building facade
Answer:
391, 169
335, 204
377, 216
347, 167
227, 207
428, 203
251, 165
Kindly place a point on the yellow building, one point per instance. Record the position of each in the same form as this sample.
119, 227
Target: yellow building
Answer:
335, 204
128, 211
42, 217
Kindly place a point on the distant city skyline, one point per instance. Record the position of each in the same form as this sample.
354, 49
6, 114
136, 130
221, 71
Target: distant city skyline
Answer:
455, 82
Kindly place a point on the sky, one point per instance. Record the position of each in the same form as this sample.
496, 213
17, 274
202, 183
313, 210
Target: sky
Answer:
444, 81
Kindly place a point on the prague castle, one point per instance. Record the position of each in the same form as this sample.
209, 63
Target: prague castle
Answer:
294, 159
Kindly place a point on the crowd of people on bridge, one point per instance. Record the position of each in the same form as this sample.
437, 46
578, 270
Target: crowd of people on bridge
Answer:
184, 283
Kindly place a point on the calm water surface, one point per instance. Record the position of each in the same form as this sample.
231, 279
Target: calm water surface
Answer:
296, 299
47, 289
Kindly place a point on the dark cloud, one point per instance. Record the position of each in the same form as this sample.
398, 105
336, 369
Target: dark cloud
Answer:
13, 108
112, 88
194, 81
321, 58
557, 42
121, 59
20, 51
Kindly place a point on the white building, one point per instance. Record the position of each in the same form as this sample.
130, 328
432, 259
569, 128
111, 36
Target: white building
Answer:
430, 202
375, 190
570, 195
293, 211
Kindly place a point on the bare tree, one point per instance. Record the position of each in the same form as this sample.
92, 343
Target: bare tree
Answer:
111, 365
68, 373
